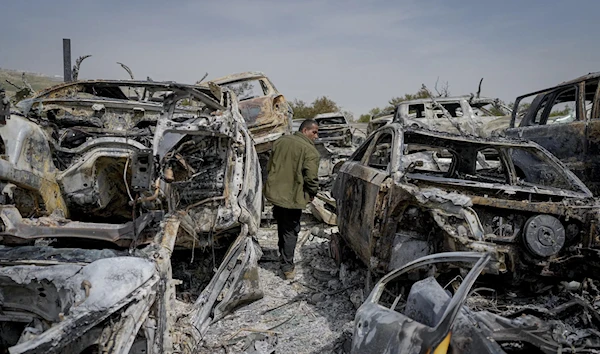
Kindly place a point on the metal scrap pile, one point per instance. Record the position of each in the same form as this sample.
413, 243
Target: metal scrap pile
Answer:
102, 181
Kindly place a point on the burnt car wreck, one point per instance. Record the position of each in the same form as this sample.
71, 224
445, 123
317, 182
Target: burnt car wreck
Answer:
334, 129
265, 110
463, 115
407, 193
407, 316
101, 182
564, 119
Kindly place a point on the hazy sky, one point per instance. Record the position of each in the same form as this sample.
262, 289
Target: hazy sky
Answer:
359, 53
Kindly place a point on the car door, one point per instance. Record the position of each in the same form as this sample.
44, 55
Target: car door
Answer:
556, 120
357, 188
592, 112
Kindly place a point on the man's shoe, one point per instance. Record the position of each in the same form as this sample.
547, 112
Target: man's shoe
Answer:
290, 275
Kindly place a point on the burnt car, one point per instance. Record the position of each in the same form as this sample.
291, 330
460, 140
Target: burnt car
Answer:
466, 115
102, 182
402, 315
265, 109
406, 193
334, 129
565, 119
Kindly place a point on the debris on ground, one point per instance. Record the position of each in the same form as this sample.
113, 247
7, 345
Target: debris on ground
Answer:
311, 314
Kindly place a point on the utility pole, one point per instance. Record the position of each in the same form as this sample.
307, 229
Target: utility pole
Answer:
68, 75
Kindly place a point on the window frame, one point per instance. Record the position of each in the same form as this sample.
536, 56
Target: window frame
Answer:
371, 150
547, 109
371, 142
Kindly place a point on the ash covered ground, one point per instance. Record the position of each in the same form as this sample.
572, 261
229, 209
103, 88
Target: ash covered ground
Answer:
312, 314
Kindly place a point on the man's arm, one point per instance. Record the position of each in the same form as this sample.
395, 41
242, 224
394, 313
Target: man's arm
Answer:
310, 170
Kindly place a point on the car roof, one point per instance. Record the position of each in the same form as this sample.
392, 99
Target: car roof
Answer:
329, 115
452, 99
565, 83
502, 141
167, 85
110, 85
238, 77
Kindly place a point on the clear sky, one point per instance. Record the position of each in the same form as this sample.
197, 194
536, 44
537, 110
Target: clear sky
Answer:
358, 53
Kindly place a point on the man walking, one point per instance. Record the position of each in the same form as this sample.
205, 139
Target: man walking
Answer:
291, 184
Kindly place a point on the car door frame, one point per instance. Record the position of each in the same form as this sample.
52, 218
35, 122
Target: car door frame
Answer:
572, 149
357, 195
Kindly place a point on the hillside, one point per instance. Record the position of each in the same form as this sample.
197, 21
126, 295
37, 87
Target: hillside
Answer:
37, 81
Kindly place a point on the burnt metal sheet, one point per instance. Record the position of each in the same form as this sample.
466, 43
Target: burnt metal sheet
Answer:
17, 229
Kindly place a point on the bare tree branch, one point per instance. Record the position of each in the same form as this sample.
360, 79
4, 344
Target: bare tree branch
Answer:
77, 65
127, 69
17, 87
446, 90
202, 79
479, 88
137, 92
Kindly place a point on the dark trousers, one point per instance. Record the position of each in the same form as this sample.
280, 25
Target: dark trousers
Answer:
288, 227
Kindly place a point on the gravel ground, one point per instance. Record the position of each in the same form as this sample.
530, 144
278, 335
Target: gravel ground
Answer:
311, 314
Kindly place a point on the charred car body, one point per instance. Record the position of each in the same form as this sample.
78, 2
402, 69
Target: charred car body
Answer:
265, 109
465, 115
564, 119
102, 181
334, 129
407, 193
404, 316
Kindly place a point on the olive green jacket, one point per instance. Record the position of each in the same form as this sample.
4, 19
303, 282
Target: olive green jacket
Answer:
293, 172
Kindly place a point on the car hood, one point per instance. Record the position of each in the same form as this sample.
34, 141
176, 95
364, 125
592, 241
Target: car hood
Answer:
108, 281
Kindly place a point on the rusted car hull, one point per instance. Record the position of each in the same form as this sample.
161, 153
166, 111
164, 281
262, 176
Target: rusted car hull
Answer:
509, 198
268, 115
192, 181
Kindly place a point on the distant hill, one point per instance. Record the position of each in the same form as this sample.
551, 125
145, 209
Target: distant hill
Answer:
37, 81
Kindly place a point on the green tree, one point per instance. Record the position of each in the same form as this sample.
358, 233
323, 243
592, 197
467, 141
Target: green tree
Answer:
324, 105
561, 112
375, 111
301, 109
364, 118
320, 105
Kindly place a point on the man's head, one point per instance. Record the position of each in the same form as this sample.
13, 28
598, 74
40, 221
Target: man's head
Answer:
310, 129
